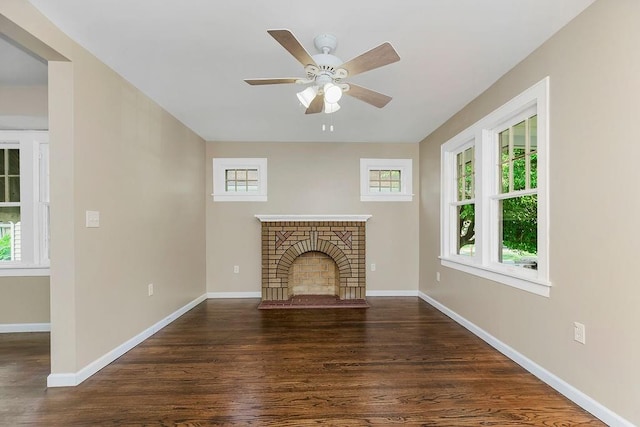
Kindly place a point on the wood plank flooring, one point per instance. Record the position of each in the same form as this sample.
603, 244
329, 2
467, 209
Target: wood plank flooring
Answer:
400, 362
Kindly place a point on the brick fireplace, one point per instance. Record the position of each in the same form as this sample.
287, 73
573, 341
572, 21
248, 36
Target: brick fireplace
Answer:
313, 254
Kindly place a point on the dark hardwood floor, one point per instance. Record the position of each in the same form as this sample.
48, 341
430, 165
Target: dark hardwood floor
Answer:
227, 363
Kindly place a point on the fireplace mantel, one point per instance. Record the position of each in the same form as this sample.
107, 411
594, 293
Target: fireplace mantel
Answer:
288, 218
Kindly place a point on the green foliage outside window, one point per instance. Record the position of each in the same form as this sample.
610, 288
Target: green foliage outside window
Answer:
5, 247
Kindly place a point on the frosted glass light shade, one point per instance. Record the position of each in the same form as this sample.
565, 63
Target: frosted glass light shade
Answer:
331, 107
307, 95
332, 93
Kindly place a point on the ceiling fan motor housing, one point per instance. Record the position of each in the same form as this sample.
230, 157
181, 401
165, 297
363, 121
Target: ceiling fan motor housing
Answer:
325, 43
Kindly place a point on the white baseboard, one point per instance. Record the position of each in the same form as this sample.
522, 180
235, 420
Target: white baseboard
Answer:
24, 327
408, 293
224, 295
75, 378
566, 389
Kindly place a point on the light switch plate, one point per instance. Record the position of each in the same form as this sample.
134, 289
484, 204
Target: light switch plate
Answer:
92, 219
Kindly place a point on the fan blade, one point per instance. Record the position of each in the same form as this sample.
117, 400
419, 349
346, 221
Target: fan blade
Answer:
367, 95
316, 105
293, 46
276, 81
377, 57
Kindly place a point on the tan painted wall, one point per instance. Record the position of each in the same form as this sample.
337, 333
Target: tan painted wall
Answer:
115, 151
23, 101
24, 300
594, 66
311, 178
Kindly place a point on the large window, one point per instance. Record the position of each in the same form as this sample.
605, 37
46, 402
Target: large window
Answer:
494, 195
24, 203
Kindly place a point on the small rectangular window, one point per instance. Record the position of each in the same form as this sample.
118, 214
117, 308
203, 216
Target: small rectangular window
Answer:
388, 180
385, 181
239, 179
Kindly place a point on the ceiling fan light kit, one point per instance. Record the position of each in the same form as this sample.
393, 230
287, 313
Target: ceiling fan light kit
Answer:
325, 72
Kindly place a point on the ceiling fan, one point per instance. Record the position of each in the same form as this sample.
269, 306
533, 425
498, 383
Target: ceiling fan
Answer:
325, 72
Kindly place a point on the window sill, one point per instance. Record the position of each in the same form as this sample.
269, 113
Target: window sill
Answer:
529, 284
24, 271
386, 198
239, 198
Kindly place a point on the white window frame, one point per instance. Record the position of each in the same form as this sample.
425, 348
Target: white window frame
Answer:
34, 201
220, 167
483, 135
405, 167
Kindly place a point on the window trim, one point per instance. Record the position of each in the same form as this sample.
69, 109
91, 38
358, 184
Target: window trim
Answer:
405, 166
483, 135
34, 196
222, 164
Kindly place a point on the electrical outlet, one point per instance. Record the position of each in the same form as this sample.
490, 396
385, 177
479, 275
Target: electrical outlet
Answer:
150, 289
373, 267
236, 269
579, 332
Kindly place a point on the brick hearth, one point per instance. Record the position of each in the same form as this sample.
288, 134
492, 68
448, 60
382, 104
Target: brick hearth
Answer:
339, 237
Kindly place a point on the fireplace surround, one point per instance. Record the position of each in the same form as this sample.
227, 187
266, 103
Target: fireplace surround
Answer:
285, 238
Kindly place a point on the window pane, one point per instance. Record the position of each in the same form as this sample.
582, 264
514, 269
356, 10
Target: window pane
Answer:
466, 230
14, 161
14, 189
10, 239
519, 140
504, 145
384, 181
465, 178
2, 190
519, 174
534, 171
519, 231
504, 170
533, 133
241, 180
2, 169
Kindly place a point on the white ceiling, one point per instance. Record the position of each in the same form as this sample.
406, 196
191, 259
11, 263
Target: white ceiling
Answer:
192, 56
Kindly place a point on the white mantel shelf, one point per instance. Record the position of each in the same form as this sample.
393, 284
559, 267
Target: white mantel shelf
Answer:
283, 218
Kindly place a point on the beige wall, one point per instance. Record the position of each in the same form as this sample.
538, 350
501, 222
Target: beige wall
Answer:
24, 300
594, 66
311, 178
116, 152
23, 107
